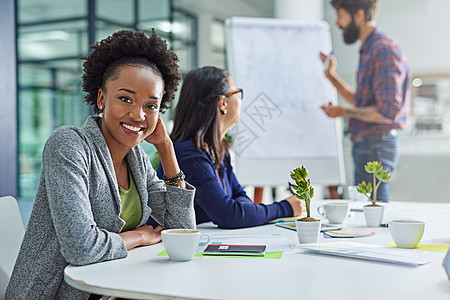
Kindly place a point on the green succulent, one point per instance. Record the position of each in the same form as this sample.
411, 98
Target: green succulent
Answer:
302, 187
375, 168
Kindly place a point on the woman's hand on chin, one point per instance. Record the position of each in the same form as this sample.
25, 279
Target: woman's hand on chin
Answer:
159, 136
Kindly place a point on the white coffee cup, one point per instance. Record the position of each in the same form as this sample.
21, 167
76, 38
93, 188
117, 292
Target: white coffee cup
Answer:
334, 211
406, 233
182, 244
354, 195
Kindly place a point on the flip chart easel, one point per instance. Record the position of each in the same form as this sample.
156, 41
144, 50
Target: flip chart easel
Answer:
282, 127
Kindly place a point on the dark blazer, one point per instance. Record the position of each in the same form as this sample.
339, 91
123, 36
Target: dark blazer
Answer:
219, 197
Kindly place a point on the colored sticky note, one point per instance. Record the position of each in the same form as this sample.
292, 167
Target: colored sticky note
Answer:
427, 247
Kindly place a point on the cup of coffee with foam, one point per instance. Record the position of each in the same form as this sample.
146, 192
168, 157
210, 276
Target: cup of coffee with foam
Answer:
182, 244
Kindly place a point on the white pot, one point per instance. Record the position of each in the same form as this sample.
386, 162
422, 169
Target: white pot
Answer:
308, 232
373, 215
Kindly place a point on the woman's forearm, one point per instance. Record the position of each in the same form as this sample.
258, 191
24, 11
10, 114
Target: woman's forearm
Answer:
169, 160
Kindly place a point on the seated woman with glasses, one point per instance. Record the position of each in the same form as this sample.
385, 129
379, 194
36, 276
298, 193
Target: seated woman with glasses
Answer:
208, 107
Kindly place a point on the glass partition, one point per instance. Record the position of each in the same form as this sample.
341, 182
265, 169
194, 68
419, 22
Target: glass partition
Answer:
38, 11
49, 83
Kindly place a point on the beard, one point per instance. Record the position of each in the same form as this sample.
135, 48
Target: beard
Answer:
350, 33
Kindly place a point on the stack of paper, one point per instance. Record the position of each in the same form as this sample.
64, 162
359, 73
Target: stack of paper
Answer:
372, 252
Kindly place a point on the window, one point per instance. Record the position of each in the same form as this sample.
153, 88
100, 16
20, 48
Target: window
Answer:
52, 36
218, 44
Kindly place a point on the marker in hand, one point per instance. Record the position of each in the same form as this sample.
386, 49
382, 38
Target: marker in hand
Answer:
326, 63
291, 188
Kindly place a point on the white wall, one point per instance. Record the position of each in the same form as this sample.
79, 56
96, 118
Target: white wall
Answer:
421, 26
305, 10
207, 10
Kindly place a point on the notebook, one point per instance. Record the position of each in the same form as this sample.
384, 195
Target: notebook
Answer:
224, 249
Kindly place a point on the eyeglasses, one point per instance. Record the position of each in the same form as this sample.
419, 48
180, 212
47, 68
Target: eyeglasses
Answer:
235, 92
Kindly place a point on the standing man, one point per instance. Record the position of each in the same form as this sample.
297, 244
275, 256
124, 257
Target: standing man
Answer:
381, 102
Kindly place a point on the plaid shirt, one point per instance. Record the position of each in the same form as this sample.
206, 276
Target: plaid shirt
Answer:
383, 81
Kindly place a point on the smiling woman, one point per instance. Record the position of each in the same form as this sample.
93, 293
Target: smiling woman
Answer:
97, 187
130, 105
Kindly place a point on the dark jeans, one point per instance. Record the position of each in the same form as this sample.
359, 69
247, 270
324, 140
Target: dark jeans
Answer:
380, 147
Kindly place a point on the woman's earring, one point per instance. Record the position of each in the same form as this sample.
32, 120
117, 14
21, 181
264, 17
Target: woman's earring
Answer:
224, 112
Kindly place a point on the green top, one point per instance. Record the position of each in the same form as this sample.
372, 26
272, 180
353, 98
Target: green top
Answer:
131, 205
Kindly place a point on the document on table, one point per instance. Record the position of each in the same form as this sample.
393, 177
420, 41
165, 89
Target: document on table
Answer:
372, 252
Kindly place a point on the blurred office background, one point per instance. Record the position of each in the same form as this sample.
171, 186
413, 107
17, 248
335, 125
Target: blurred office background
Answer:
49, 36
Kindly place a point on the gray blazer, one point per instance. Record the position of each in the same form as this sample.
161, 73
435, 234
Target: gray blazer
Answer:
75, 218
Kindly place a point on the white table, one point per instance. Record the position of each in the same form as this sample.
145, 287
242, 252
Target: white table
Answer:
297, 275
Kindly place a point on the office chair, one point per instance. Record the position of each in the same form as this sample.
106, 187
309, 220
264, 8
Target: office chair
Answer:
11, 236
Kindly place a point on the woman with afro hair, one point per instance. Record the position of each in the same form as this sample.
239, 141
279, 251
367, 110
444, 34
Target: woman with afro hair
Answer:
97, 186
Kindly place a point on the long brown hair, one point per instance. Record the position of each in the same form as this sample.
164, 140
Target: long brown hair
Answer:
197, 113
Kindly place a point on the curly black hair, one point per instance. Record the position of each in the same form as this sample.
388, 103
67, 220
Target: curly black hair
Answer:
129, 47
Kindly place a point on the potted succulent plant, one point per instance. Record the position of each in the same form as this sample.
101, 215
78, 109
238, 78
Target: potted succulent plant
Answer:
308, 228
373, 212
